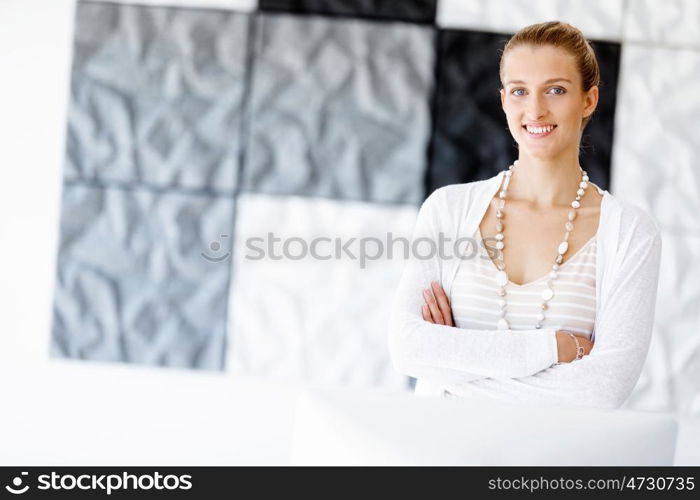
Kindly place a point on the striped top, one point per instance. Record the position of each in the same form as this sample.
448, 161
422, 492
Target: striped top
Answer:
474, 300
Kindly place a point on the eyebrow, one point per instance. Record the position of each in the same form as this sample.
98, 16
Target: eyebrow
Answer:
551, 80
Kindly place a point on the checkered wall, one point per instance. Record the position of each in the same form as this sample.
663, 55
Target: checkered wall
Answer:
196, 126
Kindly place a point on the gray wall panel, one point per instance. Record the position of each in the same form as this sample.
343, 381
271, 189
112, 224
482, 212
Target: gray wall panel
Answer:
156, 96
340, 108
133, 284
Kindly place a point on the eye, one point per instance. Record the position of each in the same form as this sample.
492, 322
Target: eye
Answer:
561, 91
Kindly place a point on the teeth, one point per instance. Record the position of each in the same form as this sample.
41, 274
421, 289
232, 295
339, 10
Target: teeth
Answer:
539, 130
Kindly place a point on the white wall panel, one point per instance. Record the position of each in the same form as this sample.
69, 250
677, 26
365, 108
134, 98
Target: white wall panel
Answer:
678, 317
35, 37
670, 380
321, 321
240, 5
671, 22
599, 19
656, 148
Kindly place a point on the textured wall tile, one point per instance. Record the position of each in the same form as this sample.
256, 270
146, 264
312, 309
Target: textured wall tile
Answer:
471, 140
133, 284
340, 108
656, 135
672, 22
314, 320
597, 141
156, 95
240, 5
600, 19
406, 10
674, 358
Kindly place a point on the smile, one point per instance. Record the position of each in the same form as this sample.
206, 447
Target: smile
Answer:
537, 132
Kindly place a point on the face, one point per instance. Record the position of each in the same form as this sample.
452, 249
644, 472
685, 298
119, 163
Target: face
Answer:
531, 96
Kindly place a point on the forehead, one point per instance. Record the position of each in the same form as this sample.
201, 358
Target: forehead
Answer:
535, 65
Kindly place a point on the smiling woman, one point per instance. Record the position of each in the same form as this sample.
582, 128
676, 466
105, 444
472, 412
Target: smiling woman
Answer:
560, 308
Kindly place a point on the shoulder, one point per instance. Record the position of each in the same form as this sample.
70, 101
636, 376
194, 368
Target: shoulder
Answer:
453, 195
636, 225
635, 219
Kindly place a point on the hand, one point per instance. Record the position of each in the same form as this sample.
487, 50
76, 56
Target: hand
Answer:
567, 347
437, 307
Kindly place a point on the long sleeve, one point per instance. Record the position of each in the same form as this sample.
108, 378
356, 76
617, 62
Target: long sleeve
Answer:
606, 377
448, 354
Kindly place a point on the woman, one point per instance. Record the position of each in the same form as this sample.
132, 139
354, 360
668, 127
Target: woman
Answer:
560, 309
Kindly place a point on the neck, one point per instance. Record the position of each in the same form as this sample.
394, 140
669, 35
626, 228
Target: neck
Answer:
545, 183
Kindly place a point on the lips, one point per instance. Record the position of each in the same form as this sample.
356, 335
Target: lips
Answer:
539, 131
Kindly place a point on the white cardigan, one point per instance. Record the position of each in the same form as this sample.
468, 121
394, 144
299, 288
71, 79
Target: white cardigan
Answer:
522, 365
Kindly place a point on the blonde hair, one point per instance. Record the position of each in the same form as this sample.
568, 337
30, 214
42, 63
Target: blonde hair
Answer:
563, 36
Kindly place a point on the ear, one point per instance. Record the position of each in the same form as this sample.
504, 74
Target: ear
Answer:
591, 101
503, 99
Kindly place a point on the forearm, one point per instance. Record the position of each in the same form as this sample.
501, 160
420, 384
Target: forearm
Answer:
589, 382
422, 349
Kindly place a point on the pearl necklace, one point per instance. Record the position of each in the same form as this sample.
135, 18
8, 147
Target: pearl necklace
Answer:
502, 277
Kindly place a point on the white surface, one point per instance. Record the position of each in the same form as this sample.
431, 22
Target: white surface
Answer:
671, 22
353, 428
688, 442
312, 319
656, 143
241, 5
599, 19
34, 63
655, 167
82, 413
672, 373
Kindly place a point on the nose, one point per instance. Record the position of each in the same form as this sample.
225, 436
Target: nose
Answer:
536, 107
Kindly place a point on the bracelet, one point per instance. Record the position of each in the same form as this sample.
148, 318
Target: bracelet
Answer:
579, 349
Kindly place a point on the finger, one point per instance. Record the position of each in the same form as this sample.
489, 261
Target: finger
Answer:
443, 303
433, 306
426, 313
